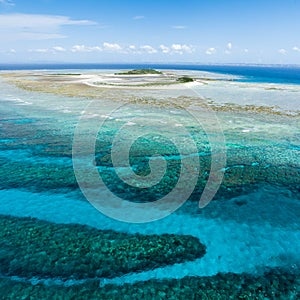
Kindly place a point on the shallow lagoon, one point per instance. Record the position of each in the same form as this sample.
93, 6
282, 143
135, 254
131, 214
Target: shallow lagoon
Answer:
250, 228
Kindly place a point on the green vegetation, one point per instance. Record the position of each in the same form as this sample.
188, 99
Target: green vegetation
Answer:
184, 79
140, 72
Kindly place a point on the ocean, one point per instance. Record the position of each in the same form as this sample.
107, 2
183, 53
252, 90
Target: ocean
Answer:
286, 74
65, 236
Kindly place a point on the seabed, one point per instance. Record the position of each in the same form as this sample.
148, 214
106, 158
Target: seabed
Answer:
54, 244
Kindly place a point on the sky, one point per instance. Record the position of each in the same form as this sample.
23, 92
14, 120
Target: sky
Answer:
156, 31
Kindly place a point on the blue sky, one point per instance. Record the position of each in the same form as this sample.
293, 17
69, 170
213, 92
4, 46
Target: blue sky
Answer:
199, 31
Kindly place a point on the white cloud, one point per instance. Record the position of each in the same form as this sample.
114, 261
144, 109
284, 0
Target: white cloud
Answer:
39, 50
149, 49
38, 22
78, 48
186, 48
179, 27
138, 17
228, 48
35, 26
111, 46
176, 47
164, 49
7, 2
282, 51
296, 49
59, 49
84, 48
246, 50
114, 47
181, 48
211, 51
131, 49
7, 51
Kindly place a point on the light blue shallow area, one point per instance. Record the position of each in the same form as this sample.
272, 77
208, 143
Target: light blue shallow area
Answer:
245, 233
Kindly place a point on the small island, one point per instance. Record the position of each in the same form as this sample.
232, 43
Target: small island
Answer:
140, 72
184, 79
124, 79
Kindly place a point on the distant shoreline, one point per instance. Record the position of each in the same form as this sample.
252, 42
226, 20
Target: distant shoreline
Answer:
220, 92
286, 74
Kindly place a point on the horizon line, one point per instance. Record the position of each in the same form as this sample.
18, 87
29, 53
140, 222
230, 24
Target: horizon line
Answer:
147, 63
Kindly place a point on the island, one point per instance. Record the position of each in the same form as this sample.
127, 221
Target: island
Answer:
140, 72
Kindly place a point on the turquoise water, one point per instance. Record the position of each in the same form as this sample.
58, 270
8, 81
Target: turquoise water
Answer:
250, 229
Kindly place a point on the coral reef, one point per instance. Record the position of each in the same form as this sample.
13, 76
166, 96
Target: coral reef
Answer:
30, 247
274, 284
247, 166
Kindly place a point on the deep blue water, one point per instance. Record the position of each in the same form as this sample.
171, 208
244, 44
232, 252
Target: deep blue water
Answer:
287, 74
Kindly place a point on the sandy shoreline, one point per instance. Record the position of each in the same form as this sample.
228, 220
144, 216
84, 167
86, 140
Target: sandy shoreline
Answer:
219, 93
122, 82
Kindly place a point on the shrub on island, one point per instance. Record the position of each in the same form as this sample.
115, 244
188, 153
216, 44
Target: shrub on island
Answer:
140, 72
184, 79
